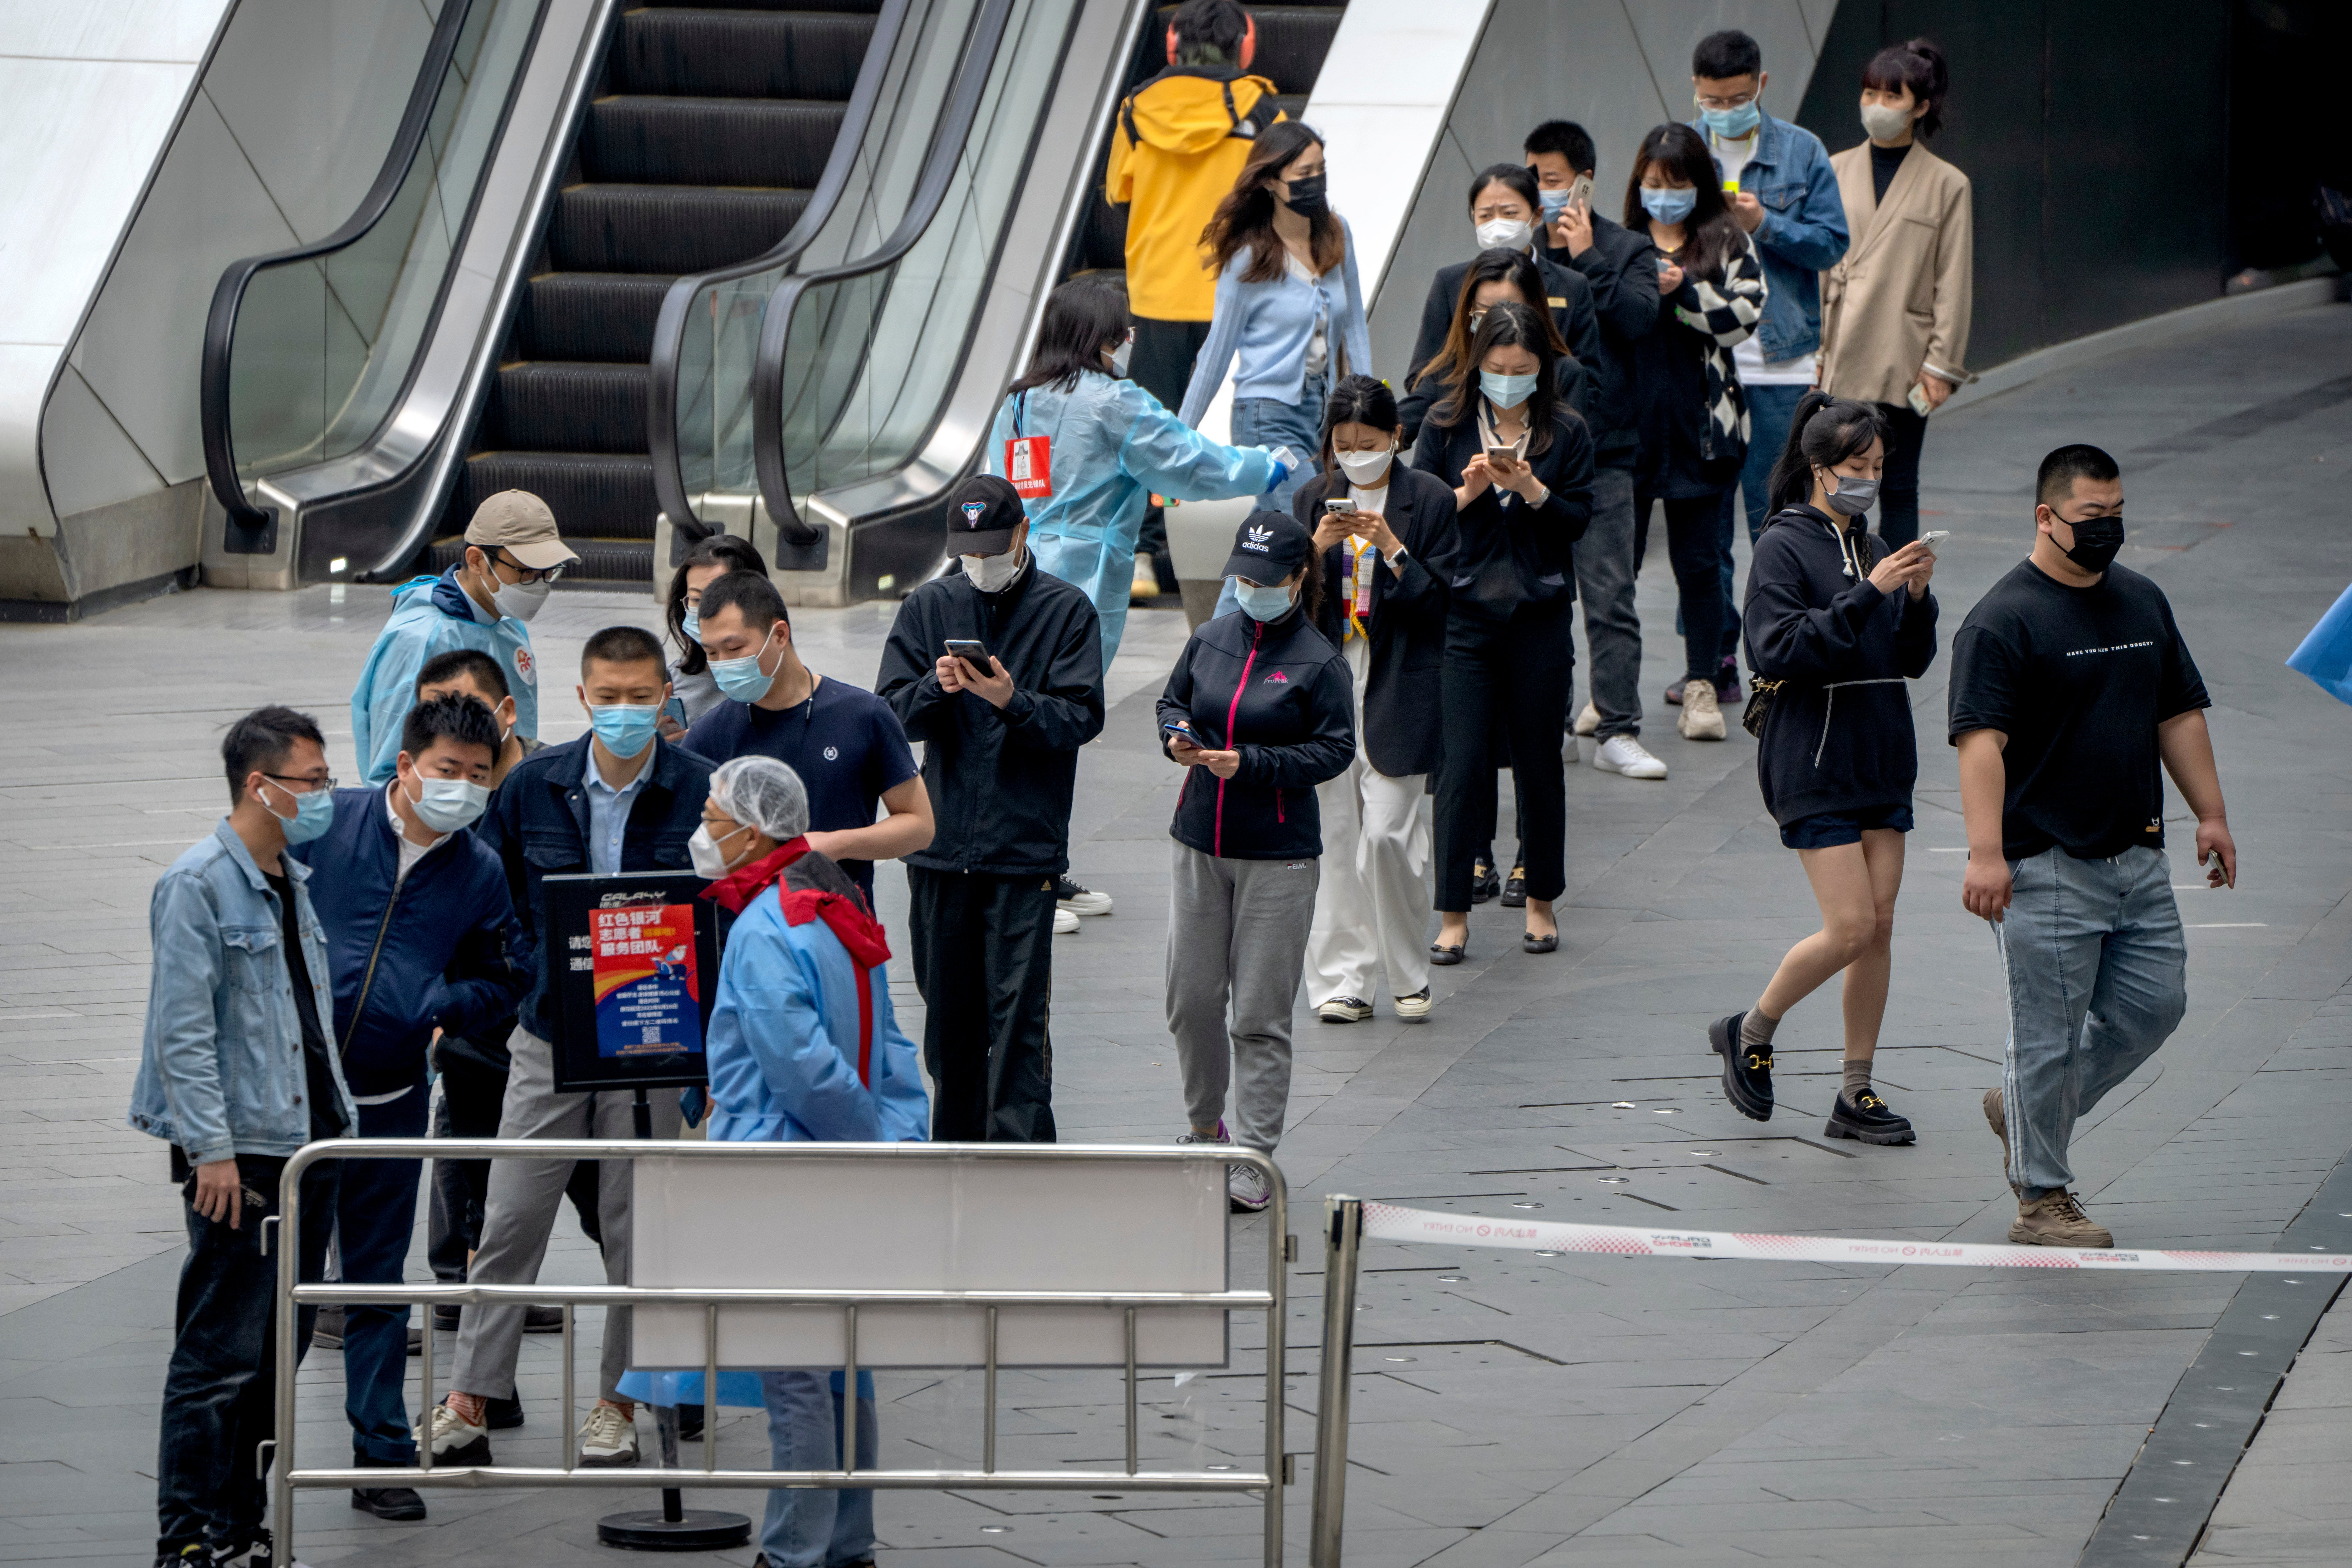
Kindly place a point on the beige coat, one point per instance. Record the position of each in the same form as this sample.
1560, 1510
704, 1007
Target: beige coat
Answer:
1898, 301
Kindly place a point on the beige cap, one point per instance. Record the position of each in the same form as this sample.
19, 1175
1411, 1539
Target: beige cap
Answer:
520, 523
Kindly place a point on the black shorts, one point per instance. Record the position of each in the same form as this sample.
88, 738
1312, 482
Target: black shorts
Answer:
1827, 830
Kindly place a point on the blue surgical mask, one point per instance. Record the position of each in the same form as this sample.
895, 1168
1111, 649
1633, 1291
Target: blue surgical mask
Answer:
1667, 204
625, 728
314, 813
1262, 604
1734, 125
1507, 391
741, 678
1554, 204
692, 627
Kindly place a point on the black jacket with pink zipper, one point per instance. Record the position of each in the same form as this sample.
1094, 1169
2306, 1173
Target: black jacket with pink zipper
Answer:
1280, 693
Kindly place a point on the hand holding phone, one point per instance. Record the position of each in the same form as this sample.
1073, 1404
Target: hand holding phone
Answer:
1934, 537
1338, 503
973, 651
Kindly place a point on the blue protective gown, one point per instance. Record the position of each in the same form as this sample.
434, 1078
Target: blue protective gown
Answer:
431, 615
1113, 448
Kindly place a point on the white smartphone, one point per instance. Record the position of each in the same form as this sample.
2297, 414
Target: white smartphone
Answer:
1919, 401
1934, 537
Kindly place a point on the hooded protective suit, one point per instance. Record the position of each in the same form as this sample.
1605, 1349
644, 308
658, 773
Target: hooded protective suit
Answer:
431, 615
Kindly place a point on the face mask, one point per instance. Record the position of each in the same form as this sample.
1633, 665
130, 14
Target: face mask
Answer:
2097, 539
1667, 204
1884, 121
520, 600
1121, 357
1852, 496
626, 728
313, 813
1507, 391
1505, 233
692, 626
1364, 469
990, 573
1306, 199
1554, 204
1733, 124
1262, 604
741, 679
445, 806
710, 861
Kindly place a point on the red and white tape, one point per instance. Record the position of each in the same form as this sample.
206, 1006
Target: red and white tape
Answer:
1387, 1222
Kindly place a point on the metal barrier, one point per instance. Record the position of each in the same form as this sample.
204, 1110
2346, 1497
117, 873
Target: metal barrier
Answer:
291, 1294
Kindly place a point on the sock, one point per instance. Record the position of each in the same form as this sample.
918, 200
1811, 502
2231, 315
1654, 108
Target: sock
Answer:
1756, 1029
1857, 1079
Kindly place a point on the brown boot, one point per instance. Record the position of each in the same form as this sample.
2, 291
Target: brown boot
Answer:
2055, 1219
1996, 1112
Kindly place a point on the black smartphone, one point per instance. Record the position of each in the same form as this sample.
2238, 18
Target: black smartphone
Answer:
971, 650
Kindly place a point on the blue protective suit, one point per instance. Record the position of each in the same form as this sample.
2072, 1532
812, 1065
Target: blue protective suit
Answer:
431, 615
1115, 446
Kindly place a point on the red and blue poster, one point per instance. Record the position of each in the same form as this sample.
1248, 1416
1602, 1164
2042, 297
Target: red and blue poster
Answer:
648, 993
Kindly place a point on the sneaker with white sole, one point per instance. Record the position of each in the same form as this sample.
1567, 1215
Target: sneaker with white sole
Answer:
1219, 1136
457, 1441
1064, 923
1416, 1005
1625, 754
1587, 723
1247, 1187
258, 1550
608, 1439
1068, 895
1344, 1010
1701, 719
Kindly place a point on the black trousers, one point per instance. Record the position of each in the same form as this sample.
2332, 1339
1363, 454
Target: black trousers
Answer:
984, 965
468, 1107
1695, 530
1506, 671
1898, 485
1162, 365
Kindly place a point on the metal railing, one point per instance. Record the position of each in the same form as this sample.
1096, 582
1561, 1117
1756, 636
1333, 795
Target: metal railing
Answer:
287, 1475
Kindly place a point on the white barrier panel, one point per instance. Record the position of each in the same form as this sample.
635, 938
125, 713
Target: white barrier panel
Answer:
822, 1222
1389, 1223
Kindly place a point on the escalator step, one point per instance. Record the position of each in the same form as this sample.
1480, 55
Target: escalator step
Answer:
739, 54
571, 407
1294, 104
709, 141
606, 316
667, 228
594, 495
1291, 43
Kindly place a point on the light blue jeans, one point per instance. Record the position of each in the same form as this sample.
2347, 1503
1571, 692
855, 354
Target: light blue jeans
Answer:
2098, 980
817, 1528
1264, 422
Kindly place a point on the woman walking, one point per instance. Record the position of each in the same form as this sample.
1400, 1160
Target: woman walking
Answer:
1258, 712
690, 679
1834, 628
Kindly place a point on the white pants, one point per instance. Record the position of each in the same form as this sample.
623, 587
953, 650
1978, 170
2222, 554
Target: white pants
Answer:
1372, 908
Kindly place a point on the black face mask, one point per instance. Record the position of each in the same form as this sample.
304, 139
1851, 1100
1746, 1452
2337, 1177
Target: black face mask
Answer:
1306, 198
2097, 539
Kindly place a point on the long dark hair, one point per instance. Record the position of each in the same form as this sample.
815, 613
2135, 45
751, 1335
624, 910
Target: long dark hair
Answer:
1825, 432
1082, 318
1709, 234
718, 550
1918, 64
1244, 219
1515, 267
1508, 326
1358, 400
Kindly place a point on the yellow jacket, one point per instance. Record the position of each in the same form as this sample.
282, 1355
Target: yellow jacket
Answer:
1179, 142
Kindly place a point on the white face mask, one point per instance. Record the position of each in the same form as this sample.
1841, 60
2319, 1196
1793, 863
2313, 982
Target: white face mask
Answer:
1508, 233
1884, 121
445, 806
1365, 469
520, 600
1121, 356
710, 861
990, 573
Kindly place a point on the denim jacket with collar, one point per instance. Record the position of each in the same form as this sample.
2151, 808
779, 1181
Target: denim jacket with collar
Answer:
221, 1070
1802, 236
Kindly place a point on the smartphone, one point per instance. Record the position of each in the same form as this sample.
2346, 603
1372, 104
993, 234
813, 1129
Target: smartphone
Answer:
1934, 537
1506, 456
1919, 401
1338, 503
969, 650
1579, 194
675, 712
1183, 731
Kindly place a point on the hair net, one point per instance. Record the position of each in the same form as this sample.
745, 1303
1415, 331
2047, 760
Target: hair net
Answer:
762, 793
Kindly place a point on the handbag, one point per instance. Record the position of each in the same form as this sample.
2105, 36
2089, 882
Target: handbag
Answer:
1759, 709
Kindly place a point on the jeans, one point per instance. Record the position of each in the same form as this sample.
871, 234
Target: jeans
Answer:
375, 1214
1262, 422
1696, 528
1604, 581
1236, 935
220, 1389
2097, 979
816, 1527
983, 961
1898, 485
1770, 411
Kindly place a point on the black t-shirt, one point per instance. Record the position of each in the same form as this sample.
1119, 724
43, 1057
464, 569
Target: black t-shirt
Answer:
2078, 678
844, 742
1883, 162
326, 1105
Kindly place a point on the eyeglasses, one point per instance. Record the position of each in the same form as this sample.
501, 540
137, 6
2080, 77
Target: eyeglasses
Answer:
315, 783
1742, 101
526, 575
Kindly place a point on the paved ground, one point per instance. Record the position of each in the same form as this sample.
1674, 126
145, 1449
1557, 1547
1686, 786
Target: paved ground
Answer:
1510, 1408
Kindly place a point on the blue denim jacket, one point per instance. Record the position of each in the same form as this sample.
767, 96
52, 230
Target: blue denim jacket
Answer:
1802, 236
221, 1070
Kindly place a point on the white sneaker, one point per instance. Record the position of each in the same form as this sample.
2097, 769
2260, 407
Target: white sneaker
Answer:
1068, 895
1146, 583
1064, 922
1701, 719
1344, 1010
1589, 721
1625, 754
457, 1441
1416, 1005
1247, 1187
608, 1439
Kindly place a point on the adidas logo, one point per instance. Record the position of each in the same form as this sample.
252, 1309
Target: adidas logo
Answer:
1258, 539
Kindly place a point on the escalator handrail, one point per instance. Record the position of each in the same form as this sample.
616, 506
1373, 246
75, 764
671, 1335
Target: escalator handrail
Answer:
670, 326
947, 151
228, 294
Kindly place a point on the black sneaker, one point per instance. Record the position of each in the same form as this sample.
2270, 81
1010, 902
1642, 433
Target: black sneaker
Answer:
690, 1423
1868, 1119
400, 1503
1515, 889
1078, 900
1747, 1070
1483, 883
542, 1320
444, 1318
254, 1551
502, 1415
194, 1554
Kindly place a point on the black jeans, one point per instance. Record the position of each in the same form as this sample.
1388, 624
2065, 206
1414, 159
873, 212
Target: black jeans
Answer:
1508, 671
984, 949
1695, 527
220, 1389
468, 1107
1898, 484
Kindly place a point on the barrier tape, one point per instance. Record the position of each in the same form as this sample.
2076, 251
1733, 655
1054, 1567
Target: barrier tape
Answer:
1387, 1222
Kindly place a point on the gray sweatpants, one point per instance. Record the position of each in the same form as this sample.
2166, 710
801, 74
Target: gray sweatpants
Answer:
519, 1211
1236, 935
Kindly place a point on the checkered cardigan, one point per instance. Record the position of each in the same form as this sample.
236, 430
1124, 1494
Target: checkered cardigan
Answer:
1727, 312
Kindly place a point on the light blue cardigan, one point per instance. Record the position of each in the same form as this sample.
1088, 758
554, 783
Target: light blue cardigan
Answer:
1270, 324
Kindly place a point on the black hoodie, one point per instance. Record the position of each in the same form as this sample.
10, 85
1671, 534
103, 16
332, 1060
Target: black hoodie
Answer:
1840, 737
1279, 693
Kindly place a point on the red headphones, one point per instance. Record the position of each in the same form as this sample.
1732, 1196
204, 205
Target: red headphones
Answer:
1249, 42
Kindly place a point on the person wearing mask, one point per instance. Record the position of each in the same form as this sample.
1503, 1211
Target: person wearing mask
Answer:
841, 739
1914, 227
1288, 305
1521, 465
468, 672
1085, 449
2071, 686
483, 601
1505, 209
421, 939
619, 798
1000, 727
1387, 557
1491, 278
1621, 266
689, 671
1838, 629
1693, 410
1784, 195
235, 1073
1259, 714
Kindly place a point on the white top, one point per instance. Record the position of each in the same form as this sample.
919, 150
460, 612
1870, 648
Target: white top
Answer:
1319, 343
410, 854
1748, 355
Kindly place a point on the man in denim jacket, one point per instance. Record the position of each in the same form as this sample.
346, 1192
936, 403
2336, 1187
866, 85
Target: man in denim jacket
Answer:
237, 1072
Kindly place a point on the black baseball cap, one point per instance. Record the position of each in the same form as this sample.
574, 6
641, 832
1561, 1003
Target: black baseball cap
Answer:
1268, 547
981, 515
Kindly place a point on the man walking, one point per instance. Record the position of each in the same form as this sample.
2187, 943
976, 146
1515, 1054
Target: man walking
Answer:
1002, 726
2070, 685
235, 1073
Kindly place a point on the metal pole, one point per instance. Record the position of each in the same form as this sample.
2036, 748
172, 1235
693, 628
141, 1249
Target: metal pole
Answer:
1131, 1391
1278, 1331
988, 1432
426, 1377
849, 1393
289, 1253
1343, 1231
570, 1376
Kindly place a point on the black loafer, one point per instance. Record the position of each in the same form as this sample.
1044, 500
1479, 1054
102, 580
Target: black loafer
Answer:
1483, 883
1531, 942
1515, 889
502, 1414
1440, 955
400, 1503
1867, 1118
1746, 1072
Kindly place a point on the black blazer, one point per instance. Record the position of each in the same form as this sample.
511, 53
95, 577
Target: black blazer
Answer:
1401, 736
1622, 264
1515, 555
1569, 293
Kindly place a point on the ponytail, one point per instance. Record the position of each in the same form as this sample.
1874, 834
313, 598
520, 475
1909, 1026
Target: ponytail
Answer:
1825, 432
